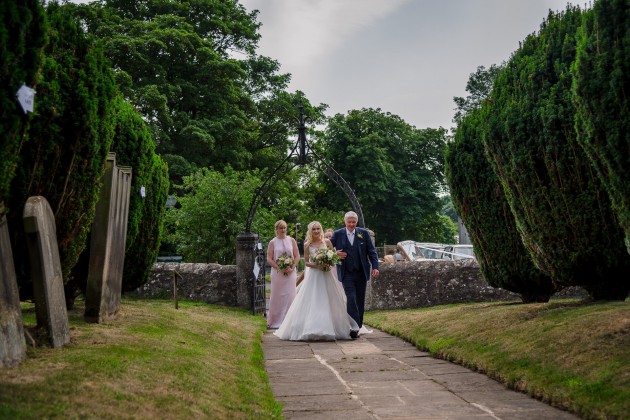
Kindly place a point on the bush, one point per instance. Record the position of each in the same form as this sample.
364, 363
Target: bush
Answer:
69, 138
560, 207
478, 197
22, 37
601, 72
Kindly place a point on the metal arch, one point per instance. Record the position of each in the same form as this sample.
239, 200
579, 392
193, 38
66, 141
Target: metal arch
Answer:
301, 150
282, 169
334, 176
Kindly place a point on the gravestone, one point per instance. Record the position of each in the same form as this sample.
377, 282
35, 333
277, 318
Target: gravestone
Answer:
107, 244
50, 301
12, 343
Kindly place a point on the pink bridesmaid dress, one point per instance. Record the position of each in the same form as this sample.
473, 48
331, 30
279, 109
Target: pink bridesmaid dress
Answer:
282, 287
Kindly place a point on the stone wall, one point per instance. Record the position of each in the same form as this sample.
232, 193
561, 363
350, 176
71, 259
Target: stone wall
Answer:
401, 285
210, 283
417, 284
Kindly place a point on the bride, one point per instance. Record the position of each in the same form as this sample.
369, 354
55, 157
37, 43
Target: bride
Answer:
318, 313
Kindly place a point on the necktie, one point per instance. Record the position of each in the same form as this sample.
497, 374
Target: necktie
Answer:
351, 238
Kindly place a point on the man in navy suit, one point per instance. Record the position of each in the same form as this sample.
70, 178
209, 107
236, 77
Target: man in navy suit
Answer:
358, 255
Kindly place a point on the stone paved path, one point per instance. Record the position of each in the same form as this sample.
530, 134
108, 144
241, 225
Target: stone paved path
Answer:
379, 376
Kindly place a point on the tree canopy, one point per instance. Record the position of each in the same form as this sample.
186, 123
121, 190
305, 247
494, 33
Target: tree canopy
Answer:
395, 170
192, 71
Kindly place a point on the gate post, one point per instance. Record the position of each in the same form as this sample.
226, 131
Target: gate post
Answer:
245, 258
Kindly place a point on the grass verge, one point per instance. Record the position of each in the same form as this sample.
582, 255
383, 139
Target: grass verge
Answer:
154, 361
570, 353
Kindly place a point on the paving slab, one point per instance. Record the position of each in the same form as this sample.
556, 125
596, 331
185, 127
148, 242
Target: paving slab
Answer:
379, 376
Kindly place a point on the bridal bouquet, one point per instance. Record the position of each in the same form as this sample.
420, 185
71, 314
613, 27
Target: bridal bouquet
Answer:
326, 257
284, 261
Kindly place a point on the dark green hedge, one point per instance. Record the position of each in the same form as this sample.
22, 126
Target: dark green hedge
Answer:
22, 37
134, 147
69, 138
560, 206
478, 197
601, 89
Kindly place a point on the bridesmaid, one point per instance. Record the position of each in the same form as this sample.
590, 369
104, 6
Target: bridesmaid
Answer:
282, 280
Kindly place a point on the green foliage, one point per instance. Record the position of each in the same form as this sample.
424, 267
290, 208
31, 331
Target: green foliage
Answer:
438, 228
479, 86
212, 213
600, 89
69, 138
560, 207
134, 147
175, 63
22, 37
395, 170
479, 199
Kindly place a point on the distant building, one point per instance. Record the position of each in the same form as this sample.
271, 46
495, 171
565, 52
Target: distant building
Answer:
463, 233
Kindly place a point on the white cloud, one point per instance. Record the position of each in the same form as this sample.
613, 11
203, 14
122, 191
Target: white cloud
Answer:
408, 57
300, 34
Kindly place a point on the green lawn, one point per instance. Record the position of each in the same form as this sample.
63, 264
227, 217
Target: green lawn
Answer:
570, 353
154, 361
206, 361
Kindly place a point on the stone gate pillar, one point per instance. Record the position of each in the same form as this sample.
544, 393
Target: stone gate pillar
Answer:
245, 259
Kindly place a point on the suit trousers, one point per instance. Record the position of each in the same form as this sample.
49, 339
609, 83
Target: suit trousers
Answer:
354, 284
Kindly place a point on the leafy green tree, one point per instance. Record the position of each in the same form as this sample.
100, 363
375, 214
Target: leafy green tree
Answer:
22, 37
560, 207
448, 208
395, 170
175, 62
69, 138
478, 196
212, 212
600, 84
479, 86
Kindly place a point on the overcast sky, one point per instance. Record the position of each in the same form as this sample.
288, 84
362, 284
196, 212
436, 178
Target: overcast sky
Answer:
407, 57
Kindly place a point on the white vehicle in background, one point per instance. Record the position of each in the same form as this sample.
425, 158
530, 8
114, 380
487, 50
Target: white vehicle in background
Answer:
415, 251
458, 252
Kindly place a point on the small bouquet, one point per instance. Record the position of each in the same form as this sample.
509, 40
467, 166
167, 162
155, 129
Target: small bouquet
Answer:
284, 261
326, 257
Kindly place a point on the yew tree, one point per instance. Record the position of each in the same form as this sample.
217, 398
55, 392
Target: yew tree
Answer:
561, 209
479, 199
601, 87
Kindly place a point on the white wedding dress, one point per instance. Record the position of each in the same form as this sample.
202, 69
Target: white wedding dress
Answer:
318, 312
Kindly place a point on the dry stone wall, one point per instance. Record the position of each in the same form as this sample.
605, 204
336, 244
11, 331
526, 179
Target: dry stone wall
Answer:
419, 284
210, 283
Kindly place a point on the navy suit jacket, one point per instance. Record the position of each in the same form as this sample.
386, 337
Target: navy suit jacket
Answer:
367, 251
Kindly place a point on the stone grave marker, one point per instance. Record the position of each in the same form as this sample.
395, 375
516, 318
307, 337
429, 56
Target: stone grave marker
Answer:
12, 343
107, 245
50, 302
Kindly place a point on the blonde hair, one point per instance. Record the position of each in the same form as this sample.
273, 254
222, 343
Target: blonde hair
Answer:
278, 224
309, 233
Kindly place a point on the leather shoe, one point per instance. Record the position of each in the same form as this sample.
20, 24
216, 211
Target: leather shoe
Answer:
354, 334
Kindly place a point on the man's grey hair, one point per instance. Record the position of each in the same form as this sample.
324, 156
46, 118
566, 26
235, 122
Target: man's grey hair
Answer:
351, 215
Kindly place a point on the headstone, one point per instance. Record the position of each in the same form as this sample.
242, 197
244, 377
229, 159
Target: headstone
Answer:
107, 244
12, 343
50, 301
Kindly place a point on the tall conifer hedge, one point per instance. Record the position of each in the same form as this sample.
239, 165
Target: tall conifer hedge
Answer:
70, 136
22, 37
601, 91
560, 206
479, 199
134, 147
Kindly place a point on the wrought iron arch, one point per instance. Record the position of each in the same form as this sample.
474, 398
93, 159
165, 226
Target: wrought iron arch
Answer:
299, 156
